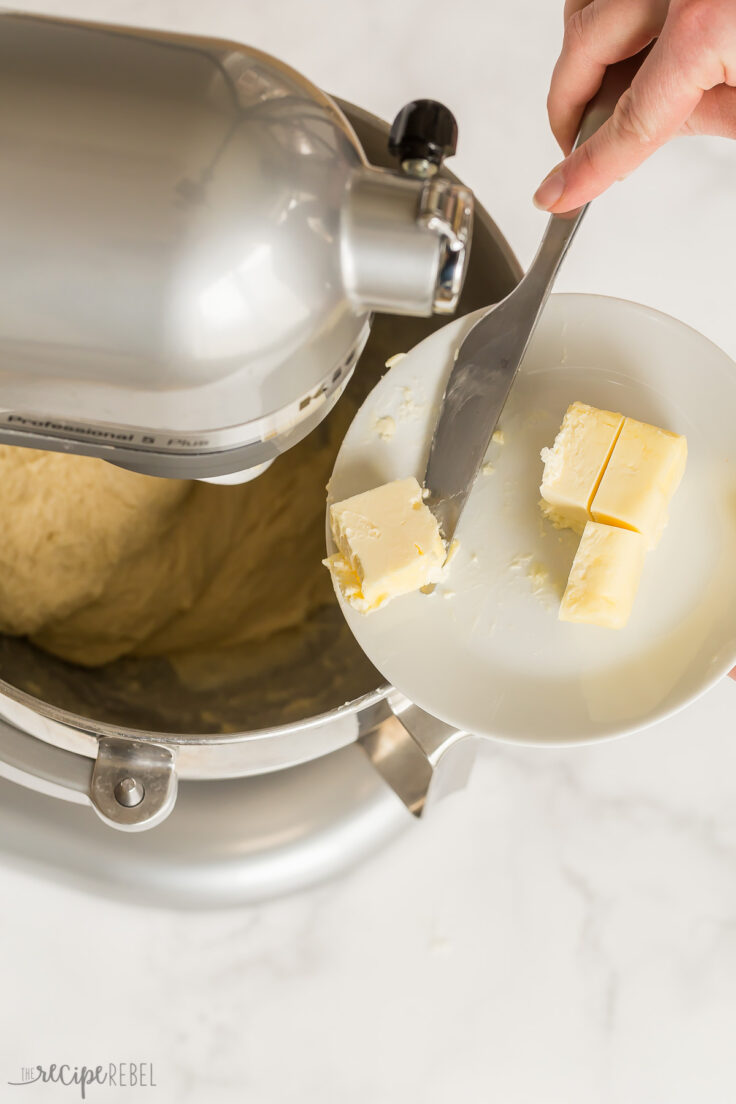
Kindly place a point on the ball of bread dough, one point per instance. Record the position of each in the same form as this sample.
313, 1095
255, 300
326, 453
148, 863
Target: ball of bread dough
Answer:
97, 562
68, 522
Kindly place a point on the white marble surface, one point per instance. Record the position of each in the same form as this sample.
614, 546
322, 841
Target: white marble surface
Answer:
564, 932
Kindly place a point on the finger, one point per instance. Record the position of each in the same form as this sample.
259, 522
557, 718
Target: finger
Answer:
715, 114
662, 97
733, 673
596, 35
571, 6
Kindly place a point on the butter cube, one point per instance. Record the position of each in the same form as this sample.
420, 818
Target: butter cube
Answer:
574, 465
604, 577
389, 544
645, 469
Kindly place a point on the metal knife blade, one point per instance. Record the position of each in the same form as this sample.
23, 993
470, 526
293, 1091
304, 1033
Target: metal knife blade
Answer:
488, 359
485, 367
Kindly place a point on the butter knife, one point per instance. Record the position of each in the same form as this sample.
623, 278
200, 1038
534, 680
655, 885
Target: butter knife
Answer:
488, 359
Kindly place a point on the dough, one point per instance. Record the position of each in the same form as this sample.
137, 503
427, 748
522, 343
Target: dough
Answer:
97, 562
67, 523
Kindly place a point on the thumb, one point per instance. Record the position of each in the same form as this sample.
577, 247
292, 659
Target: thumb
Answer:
656, 106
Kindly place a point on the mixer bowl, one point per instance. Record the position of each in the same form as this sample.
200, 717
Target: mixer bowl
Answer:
272, 708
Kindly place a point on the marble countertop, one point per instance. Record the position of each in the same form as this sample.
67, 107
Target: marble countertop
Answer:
562, 932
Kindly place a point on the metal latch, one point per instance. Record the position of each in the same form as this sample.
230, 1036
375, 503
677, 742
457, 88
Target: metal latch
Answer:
133, 784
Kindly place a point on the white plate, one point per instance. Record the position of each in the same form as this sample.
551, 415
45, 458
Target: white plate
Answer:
486, 652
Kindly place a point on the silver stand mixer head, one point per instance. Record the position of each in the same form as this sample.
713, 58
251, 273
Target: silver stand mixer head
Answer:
197, 246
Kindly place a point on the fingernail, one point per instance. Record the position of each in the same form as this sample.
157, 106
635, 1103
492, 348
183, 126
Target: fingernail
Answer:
549, 191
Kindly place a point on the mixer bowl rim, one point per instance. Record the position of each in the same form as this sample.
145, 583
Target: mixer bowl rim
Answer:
100, 729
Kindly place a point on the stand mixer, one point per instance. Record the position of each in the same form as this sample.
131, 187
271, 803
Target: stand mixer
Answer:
198, 246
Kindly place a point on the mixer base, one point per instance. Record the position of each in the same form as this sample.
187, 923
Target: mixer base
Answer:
231, 842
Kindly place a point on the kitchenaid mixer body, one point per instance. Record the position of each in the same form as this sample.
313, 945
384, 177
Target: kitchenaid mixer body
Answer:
285, 788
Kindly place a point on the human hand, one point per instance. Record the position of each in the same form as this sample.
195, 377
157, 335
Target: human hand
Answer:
686, 85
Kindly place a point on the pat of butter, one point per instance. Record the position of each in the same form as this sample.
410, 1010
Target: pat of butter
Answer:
574, 465
389, 544
604, 577
645, 469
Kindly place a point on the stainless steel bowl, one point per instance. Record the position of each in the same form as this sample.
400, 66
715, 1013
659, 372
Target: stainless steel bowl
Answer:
87, 732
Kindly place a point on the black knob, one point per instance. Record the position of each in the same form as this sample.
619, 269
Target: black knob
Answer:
422, 135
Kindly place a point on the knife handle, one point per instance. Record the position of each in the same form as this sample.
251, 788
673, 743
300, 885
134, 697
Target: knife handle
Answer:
616, 79
560, 229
